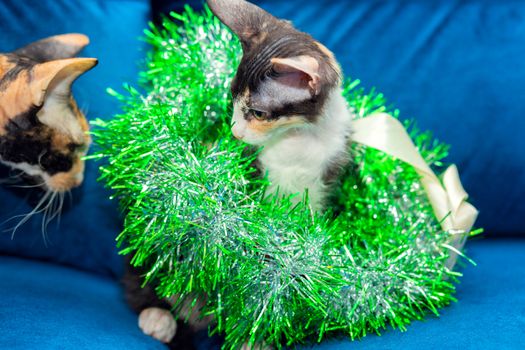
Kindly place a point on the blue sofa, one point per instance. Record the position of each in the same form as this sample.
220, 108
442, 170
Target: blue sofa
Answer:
455, 66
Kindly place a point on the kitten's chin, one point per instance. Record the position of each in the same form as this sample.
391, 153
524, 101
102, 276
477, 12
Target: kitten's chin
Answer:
257, 143
267, 139
254, 140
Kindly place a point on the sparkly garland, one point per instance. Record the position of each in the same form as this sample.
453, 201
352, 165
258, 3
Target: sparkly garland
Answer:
271, 271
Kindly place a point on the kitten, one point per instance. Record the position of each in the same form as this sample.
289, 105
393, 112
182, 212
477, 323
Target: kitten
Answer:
42, 131
288, 100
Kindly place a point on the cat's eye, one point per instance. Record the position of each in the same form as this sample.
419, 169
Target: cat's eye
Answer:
259, 115
75, 147
72, 147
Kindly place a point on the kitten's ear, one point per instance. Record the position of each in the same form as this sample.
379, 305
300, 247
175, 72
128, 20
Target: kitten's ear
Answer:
53, 79
299, 72
54, 48
247, 21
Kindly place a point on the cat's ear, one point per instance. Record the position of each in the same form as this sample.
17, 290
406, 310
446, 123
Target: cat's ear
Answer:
54, 48
299, 72
248, 21
52, 80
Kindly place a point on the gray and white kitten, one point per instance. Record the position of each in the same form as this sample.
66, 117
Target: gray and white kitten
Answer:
288, 100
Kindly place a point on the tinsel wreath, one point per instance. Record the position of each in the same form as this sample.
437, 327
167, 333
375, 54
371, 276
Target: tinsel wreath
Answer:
271, 271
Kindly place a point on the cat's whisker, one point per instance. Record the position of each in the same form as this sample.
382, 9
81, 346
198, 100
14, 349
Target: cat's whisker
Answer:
29, 186
60, 207
7, 181
55, 207
25, 217
84, 109
40, 158
50, 206
18, 175
12, 178
48, 216
70, 196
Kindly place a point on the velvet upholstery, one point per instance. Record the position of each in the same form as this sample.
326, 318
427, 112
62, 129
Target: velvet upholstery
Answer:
46, 306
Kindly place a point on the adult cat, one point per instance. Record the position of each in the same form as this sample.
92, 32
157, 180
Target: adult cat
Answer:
42, 131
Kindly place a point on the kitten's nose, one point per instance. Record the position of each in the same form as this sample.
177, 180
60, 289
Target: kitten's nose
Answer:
238, 135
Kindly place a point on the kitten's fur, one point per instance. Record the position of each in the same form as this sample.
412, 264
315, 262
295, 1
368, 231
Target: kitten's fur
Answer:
42, 131
288, 100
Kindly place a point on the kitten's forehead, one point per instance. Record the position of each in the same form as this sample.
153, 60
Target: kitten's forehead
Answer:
283, 41
256, 86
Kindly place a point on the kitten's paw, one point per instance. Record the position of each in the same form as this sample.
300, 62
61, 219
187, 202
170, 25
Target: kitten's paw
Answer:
158, 323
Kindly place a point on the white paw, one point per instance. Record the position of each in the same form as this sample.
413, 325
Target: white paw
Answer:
159, 323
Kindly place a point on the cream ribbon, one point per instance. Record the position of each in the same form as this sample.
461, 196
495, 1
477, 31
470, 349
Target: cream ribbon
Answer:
447, 197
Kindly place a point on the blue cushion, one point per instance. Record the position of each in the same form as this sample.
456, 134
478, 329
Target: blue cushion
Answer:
85, 237
46, 306
456, 67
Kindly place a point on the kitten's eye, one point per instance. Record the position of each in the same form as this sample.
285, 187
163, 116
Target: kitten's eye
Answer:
259, 115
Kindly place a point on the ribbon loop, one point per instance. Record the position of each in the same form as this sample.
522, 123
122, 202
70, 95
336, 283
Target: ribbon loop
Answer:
448, 199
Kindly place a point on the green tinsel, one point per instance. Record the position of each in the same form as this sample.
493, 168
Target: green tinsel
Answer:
271, 271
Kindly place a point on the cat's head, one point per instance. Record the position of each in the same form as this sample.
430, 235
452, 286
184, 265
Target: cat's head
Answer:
284, 78
42, 131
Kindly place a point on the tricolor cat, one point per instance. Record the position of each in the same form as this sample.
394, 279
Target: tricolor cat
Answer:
288, 101
43, 134
42, 131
